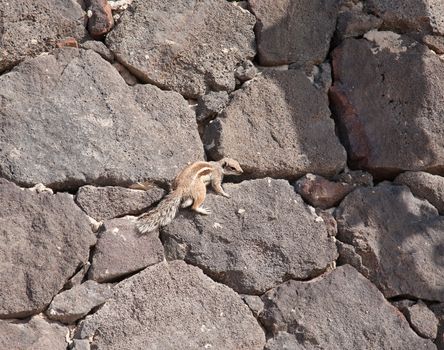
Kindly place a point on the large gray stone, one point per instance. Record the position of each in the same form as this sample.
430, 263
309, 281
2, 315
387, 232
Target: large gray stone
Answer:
29, 27
279, 126
253, 241
422, 320
75, 303
409, 15
122, 250
33, 334
391, 104
111, 201
83, 124
338, 311
186, 46
397, 240
173, 306
44, 238
294, 31
425, 186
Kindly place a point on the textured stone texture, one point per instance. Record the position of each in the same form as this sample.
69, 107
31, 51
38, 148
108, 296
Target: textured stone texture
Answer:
382, 115
355, 23
100, 48
29, 27
75, 303
108, 143
422, 320
33, 334
259, 237
110, 202
173, 306
101, 20
320, 192
397, 238
341, 310
425, 186
409, 15
121, 250
279, 126
209, 105
294, 31
43, 239
186, 46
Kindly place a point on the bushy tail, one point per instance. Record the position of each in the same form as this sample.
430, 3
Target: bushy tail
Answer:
162, 215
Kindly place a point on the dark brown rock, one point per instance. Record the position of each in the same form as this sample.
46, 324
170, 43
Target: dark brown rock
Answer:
109, 142
320, 192
294, 31
100, 17
425, 186
188, 47
173, 306
30, 27
43, 239
422, 320
33, 334
409, 15
259, 237
341, 310
121, 250
398, 238
382, 115
73, 304
110, 202
278, 125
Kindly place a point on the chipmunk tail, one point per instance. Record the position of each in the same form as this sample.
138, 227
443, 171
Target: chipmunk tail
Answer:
162, 215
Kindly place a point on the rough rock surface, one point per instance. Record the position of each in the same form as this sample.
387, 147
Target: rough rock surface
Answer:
29, 27
186, 46
43, 239
398, 239
320, 192
425, 186
209, 105
355, 23
121, 250
341, 310
173, 306
100, 48
75, 303
111, 201
422, 320
259, 237
294, 31
34, 334
382, 116
279, 126
100, 19
109, 142
409, 15
438, 309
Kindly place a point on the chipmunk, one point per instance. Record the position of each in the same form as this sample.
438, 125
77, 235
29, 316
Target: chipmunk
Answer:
189, 189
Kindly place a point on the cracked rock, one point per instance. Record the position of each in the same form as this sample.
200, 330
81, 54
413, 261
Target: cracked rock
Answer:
341, 310
44, 238
254, 240
173, 306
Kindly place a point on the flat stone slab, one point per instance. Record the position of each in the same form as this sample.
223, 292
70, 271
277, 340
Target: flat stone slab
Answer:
254, 240
383, 116
294, 31
173, 306
30, 27
34, 334
341, 310
278, 126
395, 239
112, 201
44, 238
75, 303
109, 142
186, 46
122, 250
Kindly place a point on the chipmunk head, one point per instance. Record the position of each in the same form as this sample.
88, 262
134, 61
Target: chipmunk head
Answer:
230, 166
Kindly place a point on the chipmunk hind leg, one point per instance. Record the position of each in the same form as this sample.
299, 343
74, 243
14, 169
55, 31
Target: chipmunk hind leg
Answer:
198, 193
186, 203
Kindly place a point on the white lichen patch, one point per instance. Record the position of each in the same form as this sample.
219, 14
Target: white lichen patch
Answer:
386, 40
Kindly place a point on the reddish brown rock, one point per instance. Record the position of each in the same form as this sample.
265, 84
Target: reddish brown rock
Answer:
388, 107
100, 17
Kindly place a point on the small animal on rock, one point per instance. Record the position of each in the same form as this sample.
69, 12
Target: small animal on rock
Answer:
189, 189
